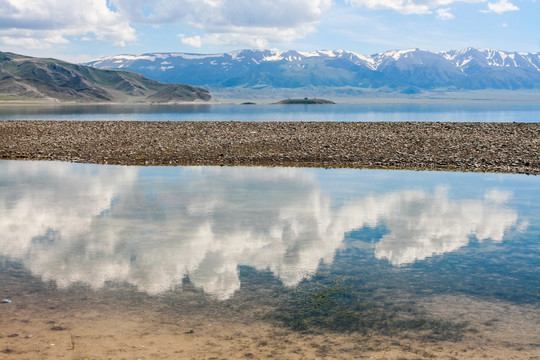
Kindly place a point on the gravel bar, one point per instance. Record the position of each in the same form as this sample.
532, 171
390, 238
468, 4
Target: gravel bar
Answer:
485, 147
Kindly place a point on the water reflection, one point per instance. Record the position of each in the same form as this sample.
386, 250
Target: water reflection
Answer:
433, 224
152, 227
465, 111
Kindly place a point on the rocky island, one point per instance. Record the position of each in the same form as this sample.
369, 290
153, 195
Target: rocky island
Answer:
305, 101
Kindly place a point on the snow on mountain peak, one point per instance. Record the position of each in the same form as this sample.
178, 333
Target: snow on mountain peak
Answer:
309, 53
466, 68
397, 54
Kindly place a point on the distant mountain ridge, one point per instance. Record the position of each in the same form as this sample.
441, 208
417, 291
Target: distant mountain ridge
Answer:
406, 71
24, 77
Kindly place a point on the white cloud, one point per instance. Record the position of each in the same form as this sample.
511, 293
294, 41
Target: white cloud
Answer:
194, 41
85, 194
257, 37
45, 23
24, 39
498, 196
232, 22
402, 6
501, 7
77, 223
420, 7
223, 22
444, 14
435, 225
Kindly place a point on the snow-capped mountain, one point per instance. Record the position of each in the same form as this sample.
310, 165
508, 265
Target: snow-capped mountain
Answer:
404, 70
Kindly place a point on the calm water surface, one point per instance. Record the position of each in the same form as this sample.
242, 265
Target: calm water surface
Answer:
414, 264
465, 112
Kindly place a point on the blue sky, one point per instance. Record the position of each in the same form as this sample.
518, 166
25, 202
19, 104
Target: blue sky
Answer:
83, 30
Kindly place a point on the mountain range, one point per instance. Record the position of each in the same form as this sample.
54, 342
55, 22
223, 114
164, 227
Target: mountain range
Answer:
24, 77
404, 71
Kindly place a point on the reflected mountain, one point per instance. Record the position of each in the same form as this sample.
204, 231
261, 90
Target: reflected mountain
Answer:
152, 227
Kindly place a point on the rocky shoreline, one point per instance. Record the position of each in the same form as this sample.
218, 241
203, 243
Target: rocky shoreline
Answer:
485, 147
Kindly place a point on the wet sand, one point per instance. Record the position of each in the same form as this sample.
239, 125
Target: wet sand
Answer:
44, 322
485, 147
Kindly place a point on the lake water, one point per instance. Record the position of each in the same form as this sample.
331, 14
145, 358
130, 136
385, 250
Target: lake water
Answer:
455, 112
215, 262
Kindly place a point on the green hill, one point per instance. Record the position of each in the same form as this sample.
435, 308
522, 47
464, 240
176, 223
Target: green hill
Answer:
27, 78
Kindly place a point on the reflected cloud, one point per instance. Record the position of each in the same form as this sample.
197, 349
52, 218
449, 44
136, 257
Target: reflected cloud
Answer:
435, 225
152, 227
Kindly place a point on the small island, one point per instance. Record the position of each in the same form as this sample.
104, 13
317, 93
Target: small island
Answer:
305, 101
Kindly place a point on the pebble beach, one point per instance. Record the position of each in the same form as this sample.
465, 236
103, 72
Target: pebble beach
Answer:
483, 147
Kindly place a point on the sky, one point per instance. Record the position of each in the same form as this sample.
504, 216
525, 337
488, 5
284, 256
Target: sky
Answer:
79, 31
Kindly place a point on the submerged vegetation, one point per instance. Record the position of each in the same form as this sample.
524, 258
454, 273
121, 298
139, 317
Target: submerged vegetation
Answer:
333, 304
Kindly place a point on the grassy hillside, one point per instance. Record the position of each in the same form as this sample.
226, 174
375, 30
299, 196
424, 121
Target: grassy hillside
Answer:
23, 77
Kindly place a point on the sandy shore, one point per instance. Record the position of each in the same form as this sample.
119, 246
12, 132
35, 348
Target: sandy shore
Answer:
43, 322
488, 147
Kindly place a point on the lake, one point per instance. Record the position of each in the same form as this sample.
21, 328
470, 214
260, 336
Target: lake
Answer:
247, 262
452, 112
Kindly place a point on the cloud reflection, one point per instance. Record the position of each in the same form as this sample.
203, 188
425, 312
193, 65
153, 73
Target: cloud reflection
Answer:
435, 224
92, 224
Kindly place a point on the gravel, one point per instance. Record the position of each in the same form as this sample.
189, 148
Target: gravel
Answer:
486, 147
